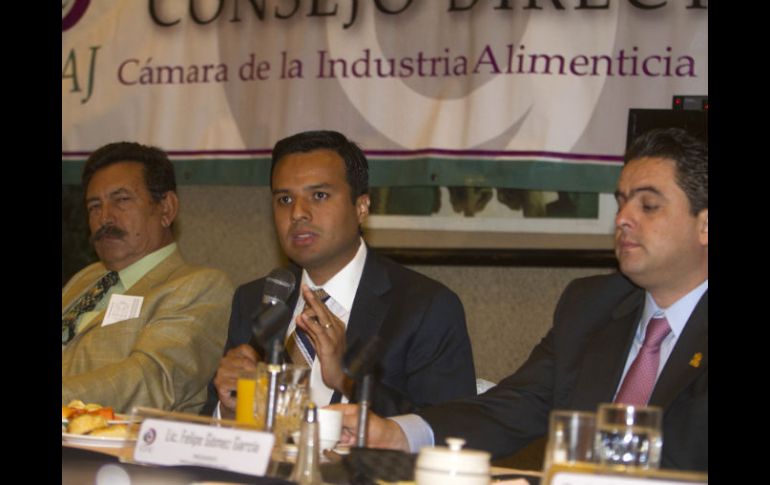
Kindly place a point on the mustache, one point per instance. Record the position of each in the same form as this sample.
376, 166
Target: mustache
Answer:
109, 230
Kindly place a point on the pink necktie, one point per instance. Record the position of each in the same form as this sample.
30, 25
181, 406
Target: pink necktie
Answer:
640, 378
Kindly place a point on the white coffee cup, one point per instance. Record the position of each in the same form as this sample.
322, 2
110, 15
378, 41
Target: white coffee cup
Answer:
330, 427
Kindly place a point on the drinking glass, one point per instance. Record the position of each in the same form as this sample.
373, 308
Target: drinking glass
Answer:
629, 436
245, 404
292, 396
571, 436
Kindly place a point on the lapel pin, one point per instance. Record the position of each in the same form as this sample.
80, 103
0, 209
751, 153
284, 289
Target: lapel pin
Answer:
695, 361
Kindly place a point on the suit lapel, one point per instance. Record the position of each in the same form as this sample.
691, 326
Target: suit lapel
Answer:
369, 308
688, 360
606, 353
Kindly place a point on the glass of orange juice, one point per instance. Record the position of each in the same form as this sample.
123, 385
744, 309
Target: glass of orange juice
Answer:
251, 389
292, 395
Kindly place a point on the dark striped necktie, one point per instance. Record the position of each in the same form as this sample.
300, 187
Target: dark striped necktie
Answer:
86, 303
298, 345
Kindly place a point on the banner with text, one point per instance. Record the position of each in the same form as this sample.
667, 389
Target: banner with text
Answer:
439, 92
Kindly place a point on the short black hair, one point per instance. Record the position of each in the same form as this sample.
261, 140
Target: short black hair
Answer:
689, 154
158, 170
356, 165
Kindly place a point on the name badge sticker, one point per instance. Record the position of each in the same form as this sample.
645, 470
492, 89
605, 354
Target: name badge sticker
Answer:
122, 307
162, 442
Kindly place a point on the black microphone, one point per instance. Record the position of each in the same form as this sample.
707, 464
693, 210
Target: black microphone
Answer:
278, 287
358, 363
273, 315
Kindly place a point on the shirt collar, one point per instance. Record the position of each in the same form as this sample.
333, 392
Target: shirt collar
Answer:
342, 286
136, 271
677, 314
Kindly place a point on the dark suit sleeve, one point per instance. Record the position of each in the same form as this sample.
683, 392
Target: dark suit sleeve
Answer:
508, 416
515, 412
437, 363
239, 332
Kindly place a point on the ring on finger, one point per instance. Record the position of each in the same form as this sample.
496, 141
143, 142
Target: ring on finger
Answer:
328, 325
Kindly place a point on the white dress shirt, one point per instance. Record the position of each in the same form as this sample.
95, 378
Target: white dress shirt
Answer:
341, 289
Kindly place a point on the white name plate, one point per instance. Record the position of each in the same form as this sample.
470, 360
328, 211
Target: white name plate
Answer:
162, 442
572, 478
595, 474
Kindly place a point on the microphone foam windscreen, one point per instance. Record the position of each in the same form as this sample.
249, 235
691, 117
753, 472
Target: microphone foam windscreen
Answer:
278, 286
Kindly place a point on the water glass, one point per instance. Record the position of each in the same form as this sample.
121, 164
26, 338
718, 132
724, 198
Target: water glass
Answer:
629, 436
571, 436
292, 396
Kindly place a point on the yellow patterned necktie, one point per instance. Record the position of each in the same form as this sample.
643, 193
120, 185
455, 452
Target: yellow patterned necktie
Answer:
298, 345
86, 303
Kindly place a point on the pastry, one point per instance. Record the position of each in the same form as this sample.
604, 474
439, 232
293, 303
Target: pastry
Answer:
86, 423
115, 431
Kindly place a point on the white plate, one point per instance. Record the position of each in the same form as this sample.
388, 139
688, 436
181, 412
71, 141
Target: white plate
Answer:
119, 419
100, 441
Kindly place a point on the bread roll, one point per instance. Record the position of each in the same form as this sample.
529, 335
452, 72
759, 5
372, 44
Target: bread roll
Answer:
86, 423
116, 431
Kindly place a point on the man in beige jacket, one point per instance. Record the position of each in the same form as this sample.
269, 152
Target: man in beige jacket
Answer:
140, 327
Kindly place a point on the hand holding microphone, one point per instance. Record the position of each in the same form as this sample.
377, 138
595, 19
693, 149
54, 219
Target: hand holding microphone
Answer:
267, 322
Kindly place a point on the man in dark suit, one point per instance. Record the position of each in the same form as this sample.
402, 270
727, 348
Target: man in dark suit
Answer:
319, 182
600, 324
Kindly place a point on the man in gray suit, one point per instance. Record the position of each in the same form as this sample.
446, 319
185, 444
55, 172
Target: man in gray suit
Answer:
600, 325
